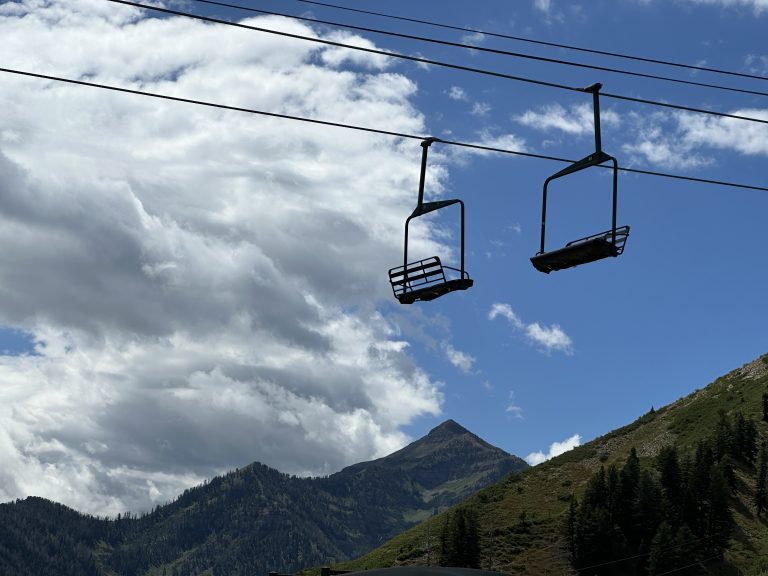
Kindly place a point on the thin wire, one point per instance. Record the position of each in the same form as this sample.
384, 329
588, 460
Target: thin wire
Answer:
689, 565
635, 557
439, 63
365, 128
540, 42
488, 50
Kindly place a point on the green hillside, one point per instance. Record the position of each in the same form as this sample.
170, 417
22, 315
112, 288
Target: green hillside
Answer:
522, 519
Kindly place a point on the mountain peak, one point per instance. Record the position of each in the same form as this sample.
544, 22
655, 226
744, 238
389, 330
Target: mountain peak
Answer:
449, 427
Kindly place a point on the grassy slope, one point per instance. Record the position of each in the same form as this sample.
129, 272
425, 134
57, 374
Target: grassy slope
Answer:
533, 544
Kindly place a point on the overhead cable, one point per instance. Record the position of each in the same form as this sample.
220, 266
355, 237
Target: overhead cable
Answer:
540, 42
438, 63
468, 145
636, 556
488, 50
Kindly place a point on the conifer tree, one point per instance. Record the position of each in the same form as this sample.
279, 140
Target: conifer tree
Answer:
671, 478
460, 540
761, 489
765, 406
662, 556
718, 517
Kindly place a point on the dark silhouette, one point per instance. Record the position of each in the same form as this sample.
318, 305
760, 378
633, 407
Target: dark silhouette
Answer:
597, 246
425, 279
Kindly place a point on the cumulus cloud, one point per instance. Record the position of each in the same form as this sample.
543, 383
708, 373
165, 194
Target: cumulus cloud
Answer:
681, 139
576, 120
748, 138
547, 337
200, 284
555, 449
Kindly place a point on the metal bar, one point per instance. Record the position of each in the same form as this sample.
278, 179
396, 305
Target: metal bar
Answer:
425, 144
596, 106
461, 203
615, 198
405, 249
544, 214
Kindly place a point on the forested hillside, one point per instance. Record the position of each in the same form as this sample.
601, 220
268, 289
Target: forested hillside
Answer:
682, 488
257, 519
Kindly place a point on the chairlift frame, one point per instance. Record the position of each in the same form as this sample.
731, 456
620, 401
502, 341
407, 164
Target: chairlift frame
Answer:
425, 279
590, 248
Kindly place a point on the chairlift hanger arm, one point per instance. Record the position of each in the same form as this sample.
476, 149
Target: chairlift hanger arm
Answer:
427, 207
425, 144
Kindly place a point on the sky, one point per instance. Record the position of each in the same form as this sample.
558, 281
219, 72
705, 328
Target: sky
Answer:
185, 290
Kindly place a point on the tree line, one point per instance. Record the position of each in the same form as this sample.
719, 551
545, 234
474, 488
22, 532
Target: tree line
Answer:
671, 514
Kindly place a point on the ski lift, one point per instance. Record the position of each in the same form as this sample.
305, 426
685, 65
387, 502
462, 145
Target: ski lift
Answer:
427, 279
597, 246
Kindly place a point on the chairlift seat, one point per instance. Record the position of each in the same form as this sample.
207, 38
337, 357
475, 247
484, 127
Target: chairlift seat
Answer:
582, 251
425, 280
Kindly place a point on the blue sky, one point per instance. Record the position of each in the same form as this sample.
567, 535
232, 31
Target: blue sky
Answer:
187, 290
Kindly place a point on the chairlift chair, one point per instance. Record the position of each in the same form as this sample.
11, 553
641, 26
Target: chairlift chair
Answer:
426, 279
597, 246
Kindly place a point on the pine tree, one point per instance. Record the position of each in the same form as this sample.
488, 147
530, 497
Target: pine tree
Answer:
761, 489
662, 556
626, 514
460, 540
671, 477
718, 517
723, 441
765, 406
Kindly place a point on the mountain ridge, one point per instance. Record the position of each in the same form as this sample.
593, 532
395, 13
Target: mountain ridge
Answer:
257, 519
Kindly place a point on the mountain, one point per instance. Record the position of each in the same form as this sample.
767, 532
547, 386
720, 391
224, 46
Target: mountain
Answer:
677, 488
257, 519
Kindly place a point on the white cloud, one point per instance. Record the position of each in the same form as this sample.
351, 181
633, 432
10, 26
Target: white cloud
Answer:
473, 39
505, 311
549, 338
200, 282
759, 6
457, 93
552, 337
337, 56
749, 138
661, 148
543, 5
576, 120
480, 109
513, 409
486, 138
459, 359
681, 139
555, 449
756, 64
